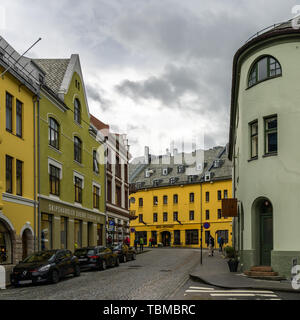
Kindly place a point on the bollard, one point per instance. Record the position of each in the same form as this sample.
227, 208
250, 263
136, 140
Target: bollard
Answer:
2, 278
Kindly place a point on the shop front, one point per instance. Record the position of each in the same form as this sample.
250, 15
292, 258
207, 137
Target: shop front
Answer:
69, 227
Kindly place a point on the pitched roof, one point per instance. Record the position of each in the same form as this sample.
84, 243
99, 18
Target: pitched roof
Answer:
98, 124
156, 166
55, 70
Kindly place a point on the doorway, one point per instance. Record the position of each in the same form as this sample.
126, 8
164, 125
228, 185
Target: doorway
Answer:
166, 238
266, 232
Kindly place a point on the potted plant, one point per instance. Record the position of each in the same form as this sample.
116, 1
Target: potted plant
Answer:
233, 261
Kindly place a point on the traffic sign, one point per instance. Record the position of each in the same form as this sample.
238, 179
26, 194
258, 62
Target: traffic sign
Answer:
206, 225
111, 223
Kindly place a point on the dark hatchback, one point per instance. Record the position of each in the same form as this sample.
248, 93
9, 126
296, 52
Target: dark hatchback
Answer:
45, 266
124, 252
97, 257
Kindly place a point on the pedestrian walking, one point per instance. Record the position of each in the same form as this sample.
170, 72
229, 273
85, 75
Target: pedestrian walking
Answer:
135, 244
141, 244
150, 242
211, 242
221, 243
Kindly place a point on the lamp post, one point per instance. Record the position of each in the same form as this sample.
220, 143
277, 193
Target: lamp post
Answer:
201, 224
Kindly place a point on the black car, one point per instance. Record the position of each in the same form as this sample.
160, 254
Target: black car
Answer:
124, 252
43, 266
98, 257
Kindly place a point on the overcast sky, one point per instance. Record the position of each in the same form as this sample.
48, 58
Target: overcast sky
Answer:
158, 70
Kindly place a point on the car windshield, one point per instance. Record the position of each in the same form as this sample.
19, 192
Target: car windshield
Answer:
118, 247
40, 256
84, 251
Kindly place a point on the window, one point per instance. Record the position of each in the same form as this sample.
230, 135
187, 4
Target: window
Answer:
109, 190
77, 233
253, 139
46, 231
207, 214
225, 194
78, 190
154, 217
118, 167
99, 234
175, 216
126, 173
53, 133
77, 111
19, 127
118, 196
126, 199
9, 99
96, 196
165, 216
9, 174
54, 180
19, 176
219, 194
180, 169
271, 135
140, 202
191, 237
175, 198
207, 196
192, 197
165, 199
265, 68
95, 162
192, 215
63, 232
140, 218
77, 149
155, 200
177, 237
219, 213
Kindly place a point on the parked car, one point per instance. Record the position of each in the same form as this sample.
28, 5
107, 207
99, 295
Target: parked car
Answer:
43, 266
124, 252
98, 257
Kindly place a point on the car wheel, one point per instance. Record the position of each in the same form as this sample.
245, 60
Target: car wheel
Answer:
76, 271
117, 263
133, 256
103, 265
54, 276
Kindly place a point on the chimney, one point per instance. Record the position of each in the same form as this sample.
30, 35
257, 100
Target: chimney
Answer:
147, 155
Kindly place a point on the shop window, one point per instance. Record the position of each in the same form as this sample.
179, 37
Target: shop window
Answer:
99, 234
46, 231
177, 237
191, 237
77, 233
63, 232
90, 229
5, 245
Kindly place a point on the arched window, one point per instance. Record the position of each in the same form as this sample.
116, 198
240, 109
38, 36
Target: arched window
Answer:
77, 111
77, 149
264, 68
53, 133
5, 245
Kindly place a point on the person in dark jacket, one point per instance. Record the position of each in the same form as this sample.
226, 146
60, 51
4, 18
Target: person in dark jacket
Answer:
211, 242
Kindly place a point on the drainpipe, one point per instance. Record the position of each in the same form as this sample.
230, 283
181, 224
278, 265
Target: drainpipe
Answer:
39, 173
34, 168
201, 224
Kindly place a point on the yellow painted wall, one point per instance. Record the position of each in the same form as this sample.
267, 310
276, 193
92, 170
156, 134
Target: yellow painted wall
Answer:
17, 148
183, 208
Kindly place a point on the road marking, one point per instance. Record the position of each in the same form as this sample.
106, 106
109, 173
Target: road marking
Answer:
232, 295
201, 288
228, 291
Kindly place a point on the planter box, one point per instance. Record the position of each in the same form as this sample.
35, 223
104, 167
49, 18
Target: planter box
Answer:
233, 265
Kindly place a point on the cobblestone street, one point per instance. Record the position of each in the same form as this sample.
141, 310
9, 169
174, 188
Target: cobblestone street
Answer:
154, 275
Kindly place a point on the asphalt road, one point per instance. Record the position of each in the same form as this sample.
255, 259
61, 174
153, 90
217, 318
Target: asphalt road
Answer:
154, 275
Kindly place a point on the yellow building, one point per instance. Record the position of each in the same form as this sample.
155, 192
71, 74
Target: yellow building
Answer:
170, 203
18, 132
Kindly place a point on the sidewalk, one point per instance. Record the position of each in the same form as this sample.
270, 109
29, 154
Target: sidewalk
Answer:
214, 271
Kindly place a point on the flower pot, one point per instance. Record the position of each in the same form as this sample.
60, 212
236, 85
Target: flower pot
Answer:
233, 265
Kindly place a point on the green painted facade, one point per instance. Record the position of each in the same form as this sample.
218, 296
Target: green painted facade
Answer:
62, 210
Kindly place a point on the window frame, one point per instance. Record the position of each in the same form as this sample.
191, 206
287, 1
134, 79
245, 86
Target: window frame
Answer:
55, 131
192, 215
254, 68
77, 149
77, 111
54, 178
96, 197
19, 177
78, 189
253, 136
268, 131
9, 107
9, 173
192, 197
19, 115
165, 216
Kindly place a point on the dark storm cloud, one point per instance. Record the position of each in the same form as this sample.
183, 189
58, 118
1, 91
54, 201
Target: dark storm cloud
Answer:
96, 94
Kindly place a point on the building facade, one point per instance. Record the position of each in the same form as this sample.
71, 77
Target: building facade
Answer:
71, 172
263, 147
170, 201
19, 91
117, 186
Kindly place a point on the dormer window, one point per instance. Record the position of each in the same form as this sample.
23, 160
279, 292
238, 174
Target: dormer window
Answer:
265, 68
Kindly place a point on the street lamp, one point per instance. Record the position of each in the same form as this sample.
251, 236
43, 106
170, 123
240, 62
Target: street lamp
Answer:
201, 224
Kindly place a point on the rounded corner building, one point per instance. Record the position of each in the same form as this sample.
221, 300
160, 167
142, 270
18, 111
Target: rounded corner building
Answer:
265, 149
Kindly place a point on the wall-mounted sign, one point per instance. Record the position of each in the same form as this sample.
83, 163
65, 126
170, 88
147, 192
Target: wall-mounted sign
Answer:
206, 225
229, 208
132, 230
